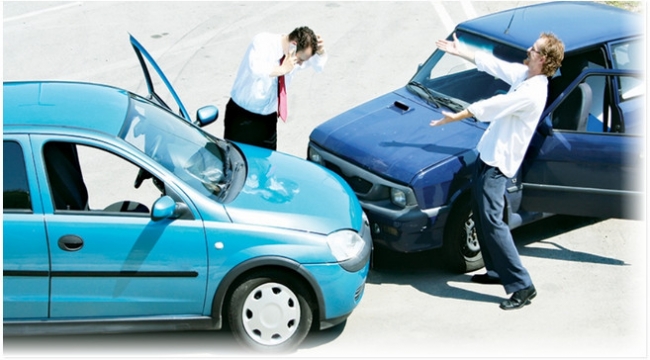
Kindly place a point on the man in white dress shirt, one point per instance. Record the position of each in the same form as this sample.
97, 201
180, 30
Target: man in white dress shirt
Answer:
513, 118
252, 112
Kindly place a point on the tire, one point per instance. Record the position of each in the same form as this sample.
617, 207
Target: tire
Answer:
270, 312
462, 252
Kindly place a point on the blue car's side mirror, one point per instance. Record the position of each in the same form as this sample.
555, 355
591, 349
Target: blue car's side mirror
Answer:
167, 208
206, 115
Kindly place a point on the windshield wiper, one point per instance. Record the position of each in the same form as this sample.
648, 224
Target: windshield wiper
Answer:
427, 92
449, 103
438, 100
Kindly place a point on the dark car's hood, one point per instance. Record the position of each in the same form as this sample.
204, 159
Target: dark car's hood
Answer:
395, 140
288, 192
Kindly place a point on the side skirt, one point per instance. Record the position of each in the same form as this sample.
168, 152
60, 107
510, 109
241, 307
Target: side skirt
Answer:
107, 326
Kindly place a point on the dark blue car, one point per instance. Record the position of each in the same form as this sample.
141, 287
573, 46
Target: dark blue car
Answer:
586, 158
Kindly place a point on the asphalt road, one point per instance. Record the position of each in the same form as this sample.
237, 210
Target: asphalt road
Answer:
591, 275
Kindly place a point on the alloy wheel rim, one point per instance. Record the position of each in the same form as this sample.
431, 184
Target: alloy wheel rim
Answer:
471, 239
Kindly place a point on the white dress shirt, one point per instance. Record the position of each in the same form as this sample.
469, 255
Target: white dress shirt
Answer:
254, 89
513, 117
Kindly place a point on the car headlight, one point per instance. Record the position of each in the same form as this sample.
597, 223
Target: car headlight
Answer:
314, 156
350, 250
398, 197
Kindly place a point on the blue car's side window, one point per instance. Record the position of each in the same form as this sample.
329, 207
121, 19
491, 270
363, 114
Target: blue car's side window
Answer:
91, 180
15, 186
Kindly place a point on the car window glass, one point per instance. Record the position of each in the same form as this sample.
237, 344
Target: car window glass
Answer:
15, 188
629, 55
193, 155
85, 178
588, 108
631, 104
448, 75
582, 108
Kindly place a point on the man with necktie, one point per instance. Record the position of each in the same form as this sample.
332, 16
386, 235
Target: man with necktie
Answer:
258, 95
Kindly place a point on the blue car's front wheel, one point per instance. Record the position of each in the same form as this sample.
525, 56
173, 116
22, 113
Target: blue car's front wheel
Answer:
269, 312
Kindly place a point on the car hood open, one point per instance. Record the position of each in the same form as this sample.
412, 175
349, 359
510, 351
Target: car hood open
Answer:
288, 192
391, 136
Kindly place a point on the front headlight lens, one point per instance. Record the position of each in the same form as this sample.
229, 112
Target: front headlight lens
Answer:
345, 244
398, 197
315, 156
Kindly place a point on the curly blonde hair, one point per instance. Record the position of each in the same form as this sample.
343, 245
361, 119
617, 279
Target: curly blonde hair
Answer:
554, 51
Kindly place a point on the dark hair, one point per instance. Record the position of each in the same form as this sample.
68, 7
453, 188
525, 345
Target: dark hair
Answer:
554, 52
304, 38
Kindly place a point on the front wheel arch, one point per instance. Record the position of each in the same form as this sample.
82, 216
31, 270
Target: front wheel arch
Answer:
226, 287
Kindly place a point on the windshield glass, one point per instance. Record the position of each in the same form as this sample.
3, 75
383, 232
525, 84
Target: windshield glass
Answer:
457, 79
194, 156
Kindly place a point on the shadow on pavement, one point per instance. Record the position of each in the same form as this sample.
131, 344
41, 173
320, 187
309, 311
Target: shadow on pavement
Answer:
155, 344
175, 344
426, 272
319, 337
385, 261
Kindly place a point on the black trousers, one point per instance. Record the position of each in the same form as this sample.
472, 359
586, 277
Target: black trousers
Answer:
243, 126
497, 245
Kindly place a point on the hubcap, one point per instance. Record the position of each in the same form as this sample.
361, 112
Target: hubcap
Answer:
271, 314
470, 234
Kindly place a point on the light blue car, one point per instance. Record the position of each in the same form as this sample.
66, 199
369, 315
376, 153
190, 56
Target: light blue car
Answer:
121, 216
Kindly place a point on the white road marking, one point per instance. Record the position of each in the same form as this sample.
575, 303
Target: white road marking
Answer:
39, 12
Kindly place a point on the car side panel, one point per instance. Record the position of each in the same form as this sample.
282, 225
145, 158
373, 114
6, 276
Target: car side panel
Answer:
26, 267
586, 174
26, 264
126, 264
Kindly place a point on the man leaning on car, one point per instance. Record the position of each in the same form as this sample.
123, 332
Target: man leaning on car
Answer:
513, 118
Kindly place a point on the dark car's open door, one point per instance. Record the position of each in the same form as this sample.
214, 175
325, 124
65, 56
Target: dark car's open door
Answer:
593, 166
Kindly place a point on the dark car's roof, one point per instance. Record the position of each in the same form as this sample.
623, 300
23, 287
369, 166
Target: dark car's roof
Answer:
65, 104
577, 24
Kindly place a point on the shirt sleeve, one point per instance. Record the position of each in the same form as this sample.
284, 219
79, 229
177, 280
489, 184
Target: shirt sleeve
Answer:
501, 106
506, 71
318, 62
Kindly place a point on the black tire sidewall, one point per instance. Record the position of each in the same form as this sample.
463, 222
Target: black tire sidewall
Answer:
241, 292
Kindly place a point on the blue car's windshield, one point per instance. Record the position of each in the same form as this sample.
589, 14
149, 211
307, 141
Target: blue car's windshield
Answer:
191, 154
456, 80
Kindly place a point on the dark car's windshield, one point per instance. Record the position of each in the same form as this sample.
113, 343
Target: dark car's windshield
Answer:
191, 154
457, 80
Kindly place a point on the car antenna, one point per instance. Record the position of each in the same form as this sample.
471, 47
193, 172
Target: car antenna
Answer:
510, 23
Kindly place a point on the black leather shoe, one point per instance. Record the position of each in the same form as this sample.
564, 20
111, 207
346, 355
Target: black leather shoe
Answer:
485, 279
519, 298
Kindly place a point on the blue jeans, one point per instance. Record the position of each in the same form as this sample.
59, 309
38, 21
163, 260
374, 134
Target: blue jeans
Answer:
497, 246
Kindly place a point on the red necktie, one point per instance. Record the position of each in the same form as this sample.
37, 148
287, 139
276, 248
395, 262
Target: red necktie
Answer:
282, 96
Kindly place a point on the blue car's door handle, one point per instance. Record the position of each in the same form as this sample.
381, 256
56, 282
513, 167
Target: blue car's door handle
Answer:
70, 243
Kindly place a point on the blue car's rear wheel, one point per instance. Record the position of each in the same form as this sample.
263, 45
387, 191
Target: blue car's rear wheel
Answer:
269, 312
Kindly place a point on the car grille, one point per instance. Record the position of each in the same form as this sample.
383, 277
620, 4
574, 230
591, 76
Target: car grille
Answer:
359, 185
